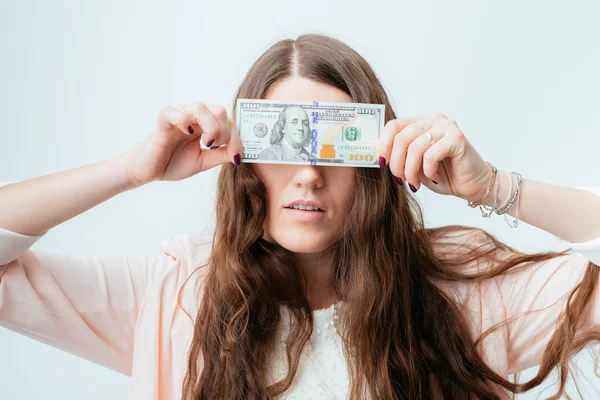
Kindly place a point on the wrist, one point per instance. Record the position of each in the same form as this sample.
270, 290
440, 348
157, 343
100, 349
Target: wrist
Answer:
125, 180
503, 179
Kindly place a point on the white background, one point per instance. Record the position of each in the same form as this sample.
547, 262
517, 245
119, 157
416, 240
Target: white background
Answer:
83, 81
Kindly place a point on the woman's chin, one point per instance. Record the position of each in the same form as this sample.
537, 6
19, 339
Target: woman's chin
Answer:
301, 242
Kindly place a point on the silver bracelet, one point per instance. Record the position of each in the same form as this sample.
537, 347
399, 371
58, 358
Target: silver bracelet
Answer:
510, 193
515, 222
513, 198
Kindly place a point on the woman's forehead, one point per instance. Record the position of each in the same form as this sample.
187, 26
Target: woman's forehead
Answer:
303, 89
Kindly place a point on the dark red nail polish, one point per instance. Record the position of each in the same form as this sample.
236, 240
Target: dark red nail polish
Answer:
214, 147
236, 159
398, 180
210, 143
190, 130
381, 162
434, 181
412, 188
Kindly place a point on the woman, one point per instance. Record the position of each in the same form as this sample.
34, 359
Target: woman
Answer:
362, 301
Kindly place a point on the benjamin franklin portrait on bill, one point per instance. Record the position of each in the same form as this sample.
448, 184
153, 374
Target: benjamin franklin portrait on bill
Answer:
290, 136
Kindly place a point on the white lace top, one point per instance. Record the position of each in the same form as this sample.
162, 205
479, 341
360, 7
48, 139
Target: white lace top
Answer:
322, 370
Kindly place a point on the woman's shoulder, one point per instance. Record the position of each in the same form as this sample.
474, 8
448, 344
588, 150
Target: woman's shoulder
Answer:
191, 253
188, 247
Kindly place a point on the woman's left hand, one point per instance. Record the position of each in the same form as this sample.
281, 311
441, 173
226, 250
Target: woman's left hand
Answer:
451, 161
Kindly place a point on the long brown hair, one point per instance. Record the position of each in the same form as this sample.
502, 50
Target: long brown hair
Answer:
404, 338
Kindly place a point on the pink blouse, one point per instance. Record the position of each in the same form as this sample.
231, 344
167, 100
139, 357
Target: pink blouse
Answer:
122, 312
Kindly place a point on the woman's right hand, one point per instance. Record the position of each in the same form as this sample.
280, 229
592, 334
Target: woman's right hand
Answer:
171, 153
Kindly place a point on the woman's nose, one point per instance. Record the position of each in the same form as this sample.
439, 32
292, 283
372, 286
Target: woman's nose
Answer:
309, 176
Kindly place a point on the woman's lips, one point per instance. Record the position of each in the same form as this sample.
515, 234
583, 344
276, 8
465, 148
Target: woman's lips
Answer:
303, 215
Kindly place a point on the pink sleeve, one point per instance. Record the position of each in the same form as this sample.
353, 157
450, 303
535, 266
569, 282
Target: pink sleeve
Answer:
536, 297
532, 299
539, 294
85, 305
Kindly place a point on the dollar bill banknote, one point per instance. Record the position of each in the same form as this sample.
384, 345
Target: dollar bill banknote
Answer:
314, 133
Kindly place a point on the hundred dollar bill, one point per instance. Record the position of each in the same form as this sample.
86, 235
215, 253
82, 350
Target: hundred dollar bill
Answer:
315, 133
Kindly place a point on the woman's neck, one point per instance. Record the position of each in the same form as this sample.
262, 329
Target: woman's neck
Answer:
317, 268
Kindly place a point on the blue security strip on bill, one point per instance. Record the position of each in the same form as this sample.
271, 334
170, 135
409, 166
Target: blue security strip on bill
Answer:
309, 132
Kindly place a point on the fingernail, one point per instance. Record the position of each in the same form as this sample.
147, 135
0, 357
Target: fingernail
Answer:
381, 162
434, 181
214, 147
210, 143
398, 180
412, 188
236, 159
190, 130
